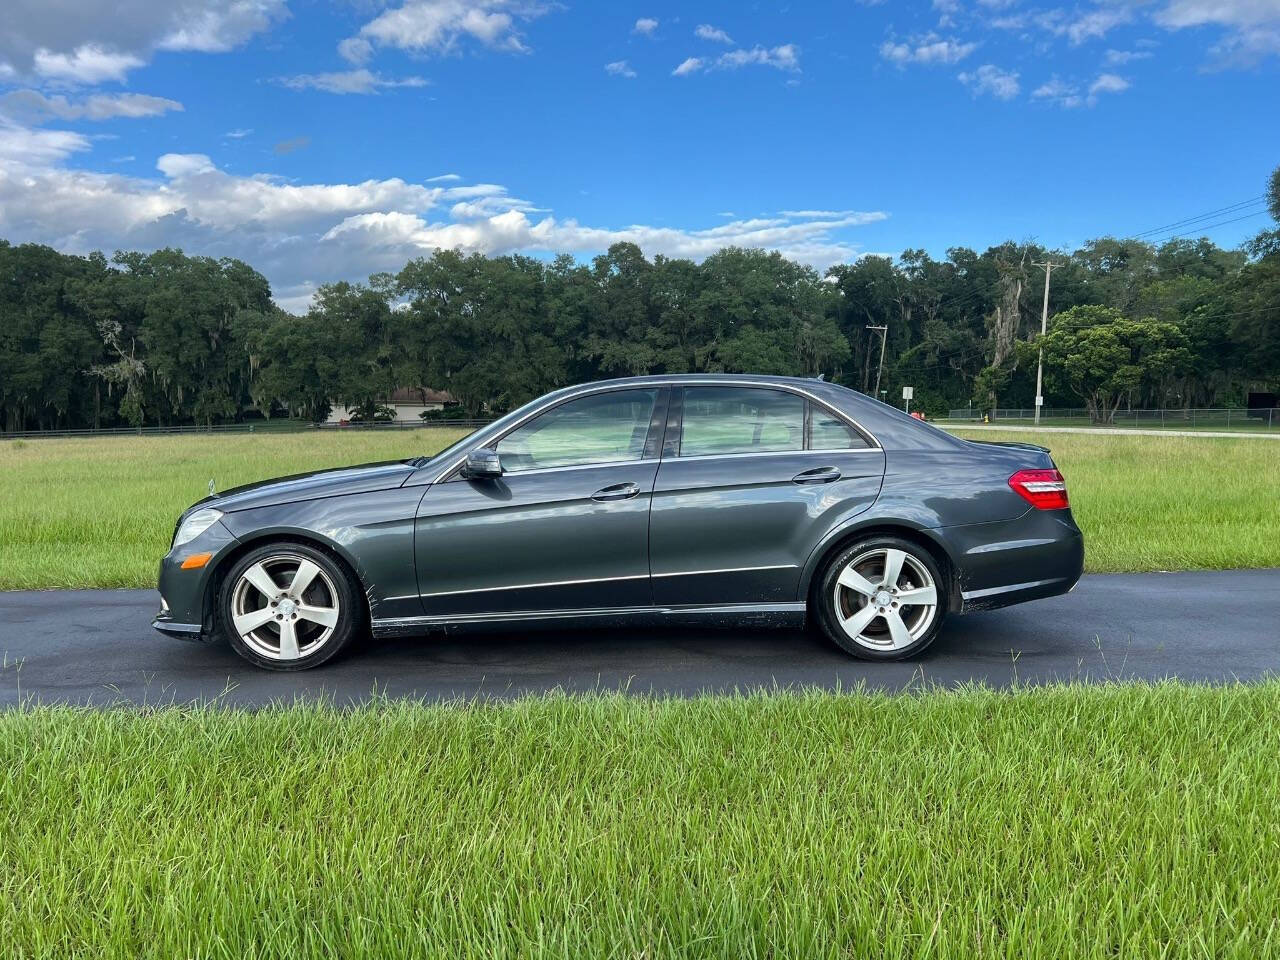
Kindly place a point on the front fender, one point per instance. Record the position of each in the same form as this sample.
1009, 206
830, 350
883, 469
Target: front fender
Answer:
372, 532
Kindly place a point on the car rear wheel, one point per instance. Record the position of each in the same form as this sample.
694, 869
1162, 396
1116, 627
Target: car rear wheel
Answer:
882, 598
289, 606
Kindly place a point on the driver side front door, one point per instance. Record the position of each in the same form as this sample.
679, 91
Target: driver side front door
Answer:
565, 528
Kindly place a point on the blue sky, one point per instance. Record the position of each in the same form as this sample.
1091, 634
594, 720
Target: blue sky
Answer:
324, 140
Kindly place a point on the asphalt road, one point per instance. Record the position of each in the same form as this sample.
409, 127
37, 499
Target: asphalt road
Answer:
97, 646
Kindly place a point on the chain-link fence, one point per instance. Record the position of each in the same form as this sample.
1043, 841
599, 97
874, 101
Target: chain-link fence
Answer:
1179, 418
256, 426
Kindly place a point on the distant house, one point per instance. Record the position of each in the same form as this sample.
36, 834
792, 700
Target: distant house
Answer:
407, 402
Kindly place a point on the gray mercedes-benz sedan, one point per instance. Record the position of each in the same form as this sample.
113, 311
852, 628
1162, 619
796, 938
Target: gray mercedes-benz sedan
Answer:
704, 498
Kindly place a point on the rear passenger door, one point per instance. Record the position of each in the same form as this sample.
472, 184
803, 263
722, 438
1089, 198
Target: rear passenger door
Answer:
750, 480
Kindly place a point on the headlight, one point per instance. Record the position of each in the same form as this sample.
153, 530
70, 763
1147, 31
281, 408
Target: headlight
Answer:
194, 525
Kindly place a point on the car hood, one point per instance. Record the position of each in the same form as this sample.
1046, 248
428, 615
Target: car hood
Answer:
364, 478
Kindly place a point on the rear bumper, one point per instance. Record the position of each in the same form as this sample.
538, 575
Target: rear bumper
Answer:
1037, 555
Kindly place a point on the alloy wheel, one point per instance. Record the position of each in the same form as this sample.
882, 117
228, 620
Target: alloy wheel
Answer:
885, 599
285, 607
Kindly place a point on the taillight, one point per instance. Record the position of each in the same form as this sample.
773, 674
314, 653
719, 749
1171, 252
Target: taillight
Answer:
1043, 489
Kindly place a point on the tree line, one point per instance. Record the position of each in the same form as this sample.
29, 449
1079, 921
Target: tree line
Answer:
165, 338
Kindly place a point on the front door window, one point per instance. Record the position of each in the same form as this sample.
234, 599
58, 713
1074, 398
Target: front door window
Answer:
601, 428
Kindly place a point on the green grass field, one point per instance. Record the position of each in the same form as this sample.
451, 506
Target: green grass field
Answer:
1125, 821
99, 512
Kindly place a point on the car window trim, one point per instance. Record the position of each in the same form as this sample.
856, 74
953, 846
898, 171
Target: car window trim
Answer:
675, 423
659, 389
676, 389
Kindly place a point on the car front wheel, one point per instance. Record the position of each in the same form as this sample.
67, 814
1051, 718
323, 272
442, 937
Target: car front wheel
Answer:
882, 598
289, 606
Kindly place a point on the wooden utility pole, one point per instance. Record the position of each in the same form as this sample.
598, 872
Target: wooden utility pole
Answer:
884, 331
1044, 327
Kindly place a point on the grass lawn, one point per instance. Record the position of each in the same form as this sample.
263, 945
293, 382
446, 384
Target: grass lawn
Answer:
99, 512
1168, 503
1126, 821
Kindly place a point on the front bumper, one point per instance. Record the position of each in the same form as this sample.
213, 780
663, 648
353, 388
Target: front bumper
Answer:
179, 631
1037, 555
186, 602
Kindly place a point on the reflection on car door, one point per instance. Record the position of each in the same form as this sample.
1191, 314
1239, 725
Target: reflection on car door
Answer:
750, 480
564, 528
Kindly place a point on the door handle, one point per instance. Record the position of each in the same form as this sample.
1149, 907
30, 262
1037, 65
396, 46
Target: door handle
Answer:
817, 475
619, 491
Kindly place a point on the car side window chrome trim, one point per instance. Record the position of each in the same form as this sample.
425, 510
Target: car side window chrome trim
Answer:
658, 388
676, 388
775, 453
675, 419
538, 471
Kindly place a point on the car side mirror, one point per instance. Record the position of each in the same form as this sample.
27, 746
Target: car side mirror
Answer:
482, 464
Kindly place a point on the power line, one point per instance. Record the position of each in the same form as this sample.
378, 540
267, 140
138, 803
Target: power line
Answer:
1230, 208
1207, 226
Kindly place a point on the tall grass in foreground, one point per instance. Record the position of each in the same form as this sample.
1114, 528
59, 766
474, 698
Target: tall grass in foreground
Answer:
99, 512
1130, 821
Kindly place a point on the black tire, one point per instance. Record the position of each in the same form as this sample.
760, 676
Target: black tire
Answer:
923, 630
332, 593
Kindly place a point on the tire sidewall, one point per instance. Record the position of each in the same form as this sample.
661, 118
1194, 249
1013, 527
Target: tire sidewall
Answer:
350, 608
824, 604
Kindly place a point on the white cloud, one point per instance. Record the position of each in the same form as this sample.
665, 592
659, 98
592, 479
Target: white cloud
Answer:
300, 235
928, 49
238, 134
947, 10
1058, 91
1080, 27
91, 41
34, 106
706, 31
645, 26
221, 26
619, 68
1068, 95
88, 64
444, 178
349, 81
439, 26
785, 57
990, 79
1121, 57
809, 241
1253, 27
1232, 13
22, 147
1107, 83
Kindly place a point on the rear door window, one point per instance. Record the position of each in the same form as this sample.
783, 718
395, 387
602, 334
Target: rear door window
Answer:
722, 420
